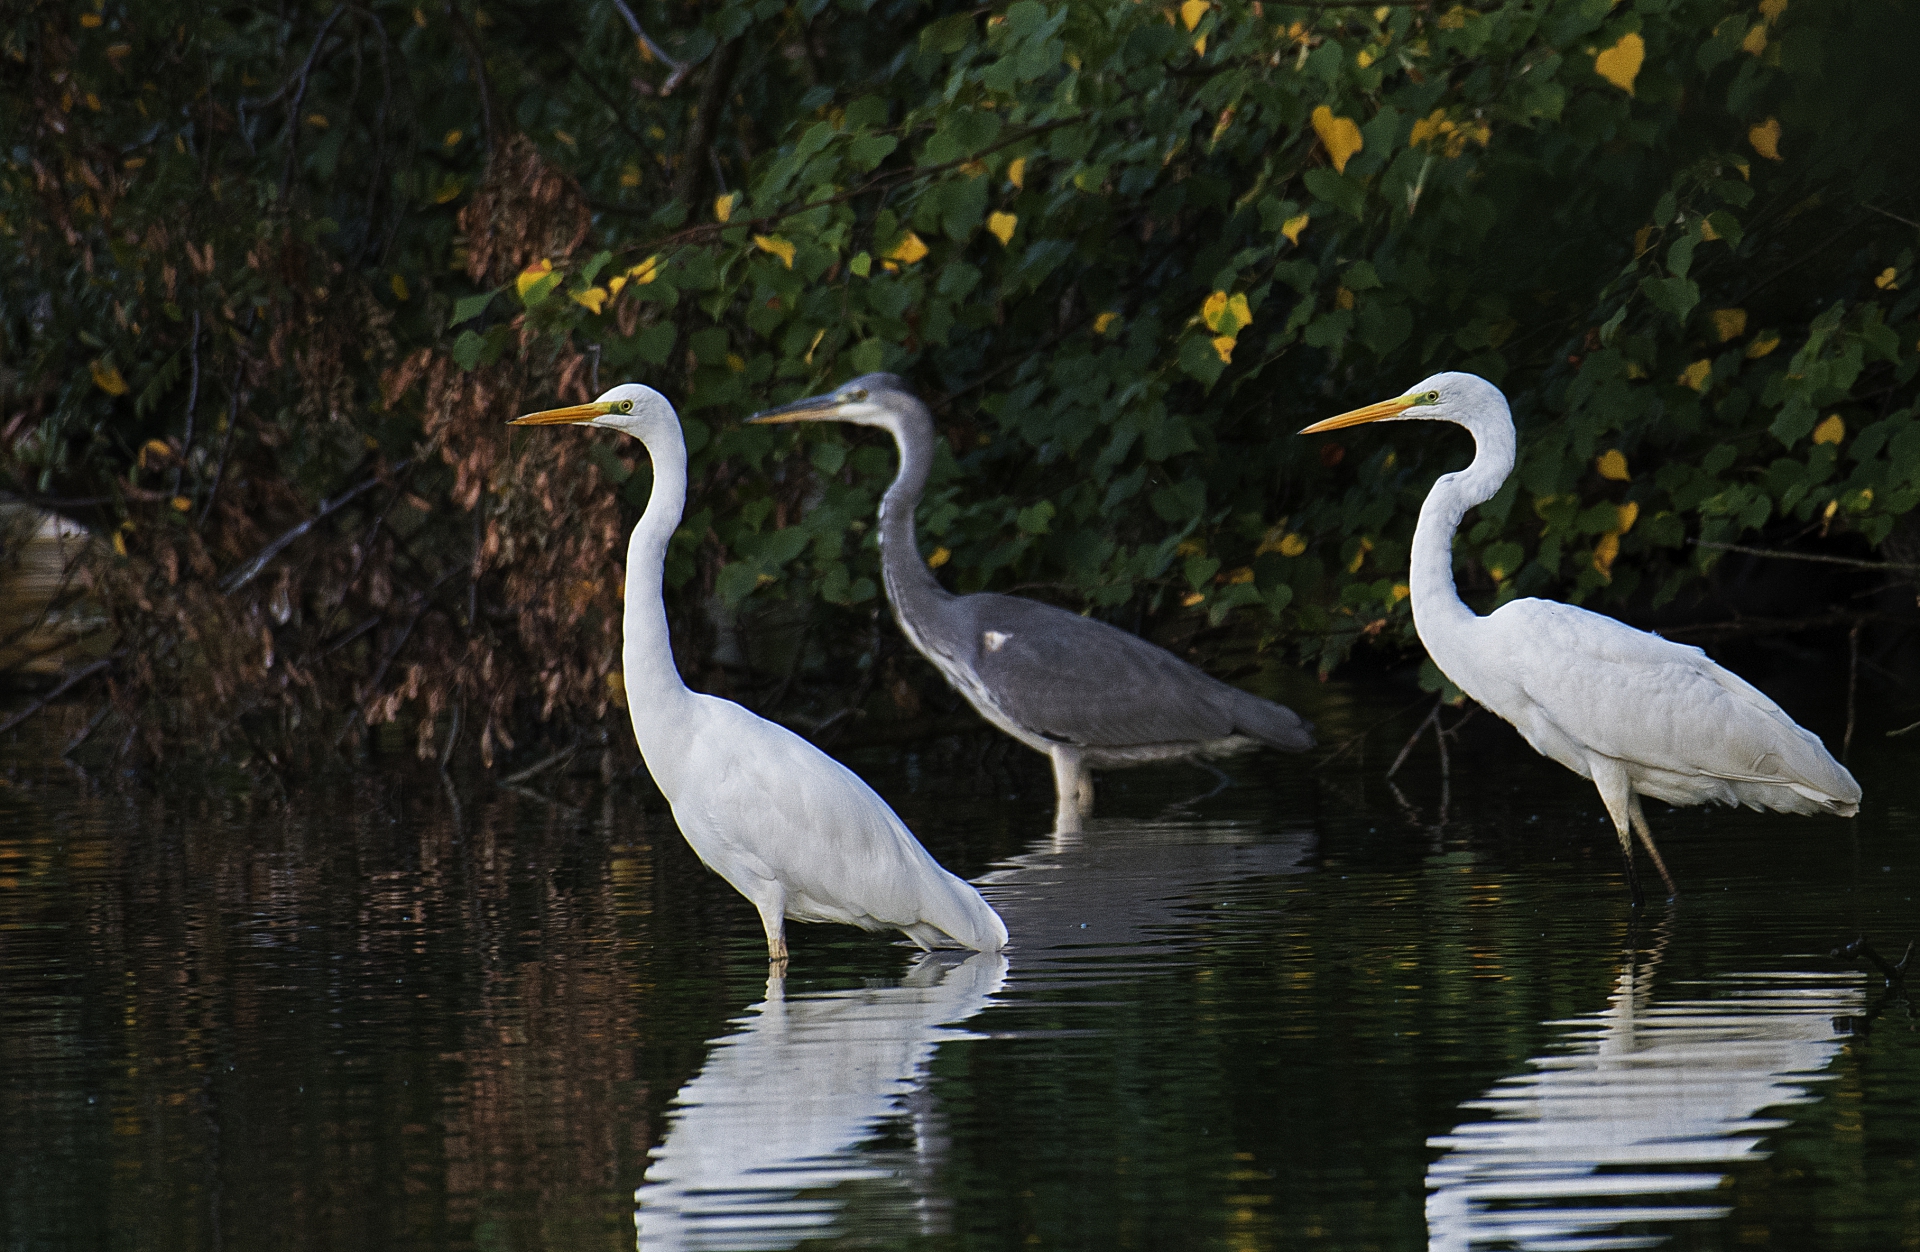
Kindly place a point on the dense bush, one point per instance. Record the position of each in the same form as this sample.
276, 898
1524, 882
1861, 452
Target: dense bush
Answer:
264, 264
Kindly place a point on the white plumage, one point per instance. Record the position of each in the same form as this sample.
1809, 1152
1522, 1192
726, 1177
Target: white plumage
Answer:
1635, 713
791, 829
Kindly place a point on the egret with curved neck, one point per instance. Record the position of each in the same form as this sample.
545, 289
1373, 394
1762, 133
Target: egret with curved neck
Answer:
1088, 695
1636, 714
791, 829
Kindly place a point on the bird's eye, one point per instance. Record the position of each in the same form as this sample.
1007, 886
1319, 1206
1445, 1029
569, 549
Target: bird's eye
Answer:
1429, 397
858, 393
626, 406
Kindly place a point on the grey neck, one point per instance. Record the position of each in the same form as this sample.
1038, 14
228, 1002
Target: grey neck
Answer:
911, 587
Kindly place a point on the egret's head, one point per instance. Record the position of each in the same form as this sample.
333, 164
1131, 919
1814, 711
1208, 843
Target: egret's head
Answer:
629, 408
1444, 397
870, 400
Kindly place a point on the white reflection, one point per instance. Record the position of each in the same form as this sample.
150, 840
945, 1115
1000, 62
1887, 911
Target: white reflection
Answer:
764, 1149
1621, 1124
778, 1107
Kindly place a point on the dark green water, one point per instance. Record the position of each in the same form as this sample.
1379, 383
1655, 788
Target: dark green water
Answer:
1304, 1011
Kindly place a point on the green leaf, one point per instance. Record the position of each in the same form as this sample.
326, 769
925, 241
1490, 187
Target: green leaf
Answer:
466, 308
1337, 191
467, 349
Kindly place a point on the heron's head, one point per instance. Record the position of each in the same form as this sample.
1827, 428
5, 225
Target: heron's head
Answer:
629, 408
870, 400
1449, 397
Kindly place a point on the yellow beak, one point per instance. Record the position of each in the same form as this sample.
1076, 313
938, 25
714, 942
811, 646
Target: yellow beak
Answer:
1372, 413
556, 417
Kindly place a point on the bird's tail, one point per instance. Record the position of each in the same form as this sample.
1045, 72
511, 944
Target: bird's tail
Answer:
954, 914
1275, 725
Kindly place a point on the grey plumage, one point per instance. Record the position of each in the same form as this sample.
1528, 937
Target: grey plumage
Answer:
1087, 694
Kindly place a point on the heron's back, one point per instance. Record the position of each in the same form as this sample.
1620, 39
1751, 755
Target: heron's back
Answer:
1689, 731
767, 805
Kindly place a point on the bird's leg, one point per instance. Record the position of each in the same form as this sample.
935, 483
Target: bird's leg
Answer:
1645, 832
1616, 792
1072, 789
772, 906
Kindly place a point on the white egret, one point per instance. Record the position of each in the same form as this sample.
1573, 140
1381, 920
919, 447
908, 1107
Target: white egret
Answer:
1088, 695
792, 829
1635, 713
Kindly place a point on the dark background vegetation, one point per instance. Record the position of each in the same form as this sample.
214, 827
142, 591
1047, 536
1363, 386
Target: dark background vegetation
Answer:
273, 276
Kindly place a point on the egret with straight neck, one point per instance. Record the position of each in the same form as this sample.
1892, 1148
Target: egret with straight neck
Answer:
1088, 695
1636, 714
791, 829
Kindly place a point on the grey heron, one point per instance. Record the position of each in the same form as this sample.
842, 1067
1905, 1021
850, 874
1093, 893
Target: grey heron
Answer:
1088, 695
791, 829
1634, 713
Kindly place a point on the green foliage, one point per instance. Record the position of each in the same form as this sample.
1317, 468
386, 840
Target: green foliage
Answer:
1124, 249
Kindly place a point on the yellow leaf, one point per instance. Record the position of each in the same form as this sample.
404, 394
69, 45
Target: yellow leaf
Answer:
1604, 553
181, 504
1454, 18
1363, 58
615, 283
1772, 9
1342, 298
1620, 64
1214, 311
1242, 575
1292, 545
157, 449
1640, 238
1612, 464
1886, 280
1763, 343
1017, 172
565, 138
1401, 591
107, 378
1636, 370
531, 275
399, 286
1192, 598
1339, 134
630, 175
317, 120
452, 138
1360, 557
1729, 323
1292, 227
92, 22
1697, 375
646, 271
1200, 45
1192, 11
736, 363
909, 250
119, 540
940, 557
1105, 321
1223, 344
1765, 138
1001, 225
449, 190
777, 246
1499, 574
1833, 430
1380, 14
592, 298
1707, 233
723, 206
818, 335
1756, 40
1629, 514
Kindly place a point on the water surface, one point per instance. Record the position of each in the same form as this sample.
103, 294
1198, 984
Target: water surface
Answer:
1308, 1009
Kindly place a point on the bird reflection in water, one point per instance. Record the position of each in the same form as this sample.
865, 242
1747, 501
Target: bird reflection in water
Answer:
1609, 1141
764, 1148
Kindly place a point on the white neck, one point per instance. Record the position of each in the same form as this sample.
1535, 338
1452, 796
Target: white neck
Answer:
1437, 607
655, 692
